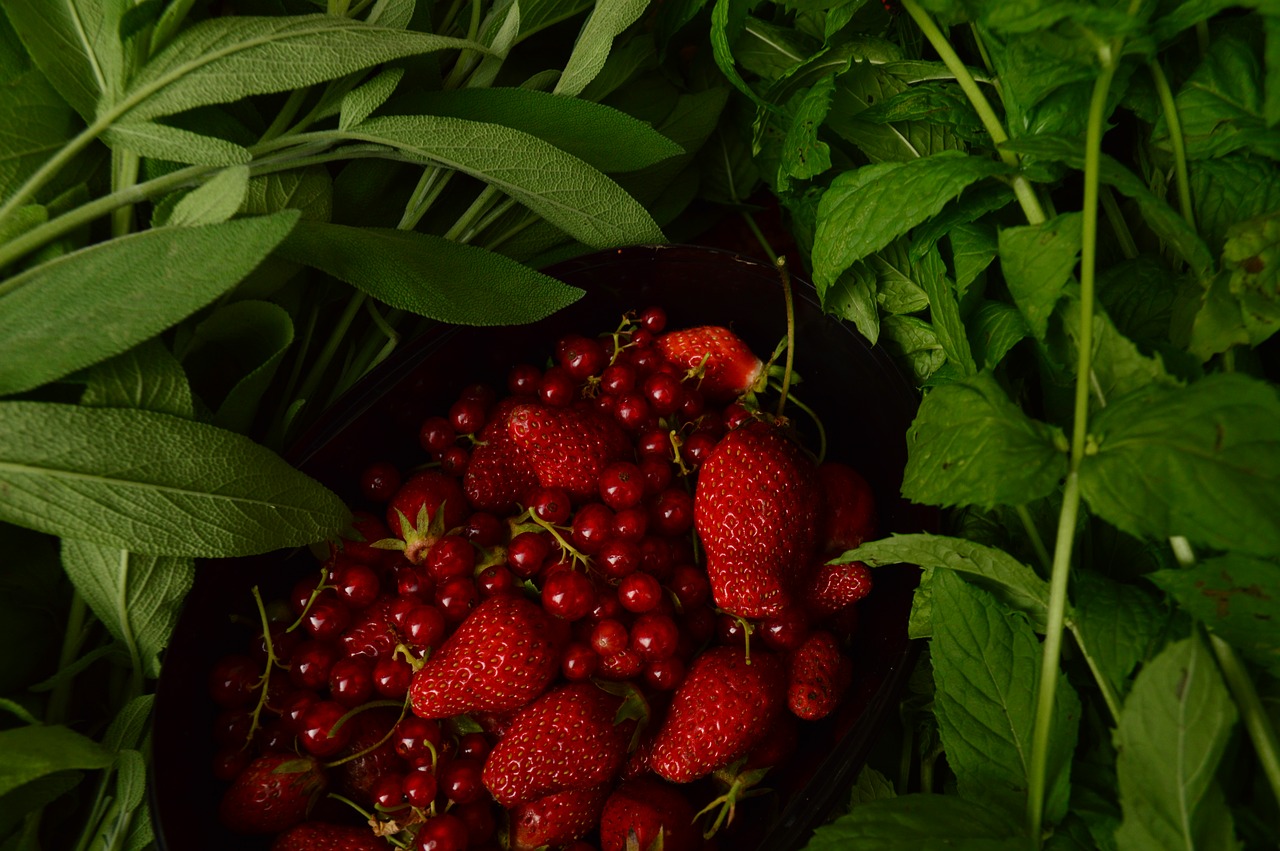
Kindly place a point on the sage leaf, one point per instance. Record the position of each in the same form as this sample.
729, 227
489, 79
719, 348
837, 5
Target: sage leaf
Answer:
561, 188
359, 103
1171, 735
430, 275
1014, 583
131, 724
52, 324
154, 483
912, 822
76, 44
245, 340
31, 796
160, 141
607, 138
1037, 261
971, 445
228, 58
1116, 625
33, 752
1237, 597
214, 202
1201, 461
537, 15
146, 376
986, 667
865, 209
308, 190
34, 123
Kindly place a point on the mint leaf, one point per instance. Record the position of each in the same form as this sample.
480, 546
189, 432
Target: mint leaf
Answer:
864, 210
913, 822
866, 86
154, 483
1037, 261
986, 666
970, 445
996, 327
914, 342
51, 324
429, 275
973, 247
804, 155
76, 44
33, 752
1220, 105
607, 20
870, 786
1201, 461
1118, 367
1117, 626
898, 288
1237, 597
1170, 736
1252, 256
1229, 190
853, 297
944, 310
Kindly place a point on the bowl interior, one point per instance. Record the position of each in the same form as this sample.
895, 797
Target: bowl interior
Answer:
864, 402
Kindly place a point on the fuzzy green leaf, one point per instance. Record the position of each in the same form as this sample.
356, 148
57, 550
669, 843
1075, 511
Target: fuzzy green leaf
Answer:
359, 103
146, 376
1202, 461
970, 445
154, 483
160, 141
607, 20
76, 44
429, 275
34, 124
51, 324
214, 202
34, 751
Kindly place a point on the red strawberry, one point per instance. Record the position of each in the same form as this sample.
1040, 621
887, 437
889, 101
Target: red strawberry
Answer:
565, 739
557, 819
501, 657
849, 510
726, 364
722, 709
357, 775
567, 447
755, 509
819, 677
645, 808
273, 793
498, 475
324, 836
372, 632
834, 587
424, 508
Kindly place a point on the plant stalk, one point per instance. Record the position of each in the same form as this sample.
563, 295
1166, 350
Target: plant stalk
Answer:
1170, 108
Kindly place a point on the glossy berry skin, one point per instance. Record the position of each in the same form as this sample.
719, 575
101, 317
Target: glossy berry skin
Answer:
568, 595
527, 552
848, 514
272, 794
444, 832
498, 475
755, 510
566, 739
557, 819
234, 681
727, 366
566, 447
379, 481
721, 710
498, 659
319, 734
323, 836
819, 676
833, 587
646, 807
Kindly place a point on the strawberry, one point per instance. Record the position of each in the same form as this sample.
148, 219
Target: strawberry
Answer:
566, 739
567, 447
501, 657
357, 775
558, 818
498, 475
833, 587
724, 707
755, 509
848, 514
372, 632
643, 809
324, 836
273, 793
422, 510
727, 366
819, 676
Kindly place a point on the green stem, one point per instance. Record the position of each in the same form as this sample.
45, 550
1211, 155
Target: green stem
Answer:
1128, 247
322, 361
52, 166
497, 211
72, 640
1033, 534
430, 184
760, 237
1104, 685
477, 209
286, 114
1254, 714
1170, 108
124, 173
1022, 188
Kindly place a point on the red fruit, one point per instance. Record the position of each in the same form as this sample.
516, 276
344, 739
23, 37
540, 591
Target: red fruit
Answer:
566, 447
357, 776
323, 836
498, 475
646, 807
273, 793
818, 677
499, 658
722, 709
415, 514
566, 739
557, 819
833, 587
755, 510
848, 516
373, 632
726, 364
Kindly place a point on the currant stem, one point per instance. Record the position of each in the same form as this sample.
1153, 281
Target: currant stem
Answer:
780, 264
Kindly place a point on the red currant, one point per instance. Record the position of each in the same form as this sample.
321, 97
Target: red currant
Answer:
618, 558
379, 481
653, 319
558, 388
568, 595
444, 832
654, 636
524, 380
234, 681
327, 619
460, 780
317, 734
631, 524
436, 435
420, 787
664, 393
592, 526
527, 552
457, 597
467, 416
416, 739
388, 792
621, 485
551, 505
423, 626
690, 585
356, 583
664, 674
391, 677
350, 682
672, 512
312, 662
497, 580
582, 357
579, 661
639, 592
609, 637
618, 379
633, 412
450, 557
483, 529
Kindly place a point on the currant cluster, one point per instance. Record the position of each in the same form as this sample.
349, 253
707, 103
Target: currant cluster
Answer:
611, 581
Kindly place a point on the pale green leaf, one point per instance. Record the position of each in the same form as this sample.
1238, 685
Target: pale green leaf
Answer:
131, 725
214, 202
308, 190
36, 751
154, 483
359, 103
146, 376
915, 343
160, 141
34, 123
605, 23
51, 324
76, 44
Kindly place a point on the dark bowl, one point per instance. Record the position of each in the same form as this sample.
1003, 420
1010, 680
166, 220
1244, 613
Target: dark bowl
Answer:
864, 401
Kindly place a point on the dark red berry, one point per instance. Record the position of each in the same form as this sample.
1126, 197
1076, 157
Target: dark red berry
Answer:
579, 661
618, 558
450, 557
621, 485
467, 416
472, 746
436, 435
582, 357
444, 832
327, 619
351, 682
423, 627
664, 674
633, 412
639, 592
618, 379
319, 732
664, 393
357, 585
527, 552
654, 636
524, 380
551, 505
419, 788
672, 513
592, 526
312, 662
379, 481
690, 585
631, 524
568, 595
653, 319
454, 460
558, 388
391, 677
496, 580
234, 681
609, 637
483, 529
416, 739
457, 597
460, 781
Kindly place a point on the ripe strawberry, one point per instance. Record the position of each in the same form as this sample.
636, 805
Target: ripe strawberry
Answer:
848, 514
755, 509
498, 475
558, 818
424, 508
501, 657
273, 793
644, 808
819, 676
727, 366
566, 739
722, 709
324, 836
833, 587
372, 633
567, 447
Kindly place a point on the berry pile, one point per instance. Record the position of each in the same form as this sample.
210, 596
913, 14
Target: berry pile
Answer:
593, 617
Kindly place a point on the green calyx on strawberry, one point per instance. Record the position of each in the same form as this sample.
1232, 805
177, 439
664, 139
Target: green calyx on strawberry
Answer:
755, 510
739, 783
721, 362
503, 655
435, 502
647, 814
557, 819
275, 792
